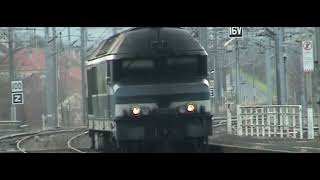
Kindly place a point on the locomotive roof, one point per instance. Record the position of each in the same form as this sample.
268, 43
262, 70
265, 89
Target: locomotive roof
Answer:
148, 42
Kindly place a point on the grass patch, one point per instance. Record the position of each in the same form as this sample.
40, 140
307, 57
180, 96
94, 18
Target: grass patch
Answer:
261, 86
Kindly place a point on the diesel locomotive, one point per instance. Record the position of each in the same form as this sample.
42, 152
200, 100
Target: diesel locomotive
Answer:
148, 85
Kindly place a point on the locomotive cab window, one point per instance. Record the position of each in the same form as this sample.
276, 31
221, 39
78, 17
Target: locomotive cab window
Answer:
162, 69
186, 66
136, 69
137, 65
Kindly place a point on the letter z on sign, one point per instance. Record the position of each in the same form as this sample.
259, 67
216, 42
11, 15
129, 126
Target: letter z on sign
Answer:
17, 98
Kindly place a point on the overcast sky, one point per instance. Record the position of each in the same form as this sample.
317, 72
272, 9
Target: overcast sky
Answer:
95, 34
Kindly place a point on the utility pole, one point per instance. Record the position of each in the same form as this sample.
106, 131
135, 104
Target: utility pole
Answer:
278, 57
48, 120
238, 88
12, 69
317, 73
60, 86
83, 84
309, 104
69, 36
55, 74
254, 79
274, 35
302, 78
51, 80
268, 62
282, 66
203, 37
308, 76
66, 80
216, 73
285, 79
35, 37
221, 75
211, 73
44, 80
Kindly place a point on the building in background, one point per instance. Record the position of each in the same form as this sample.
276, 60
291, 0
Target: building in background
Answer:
30, 68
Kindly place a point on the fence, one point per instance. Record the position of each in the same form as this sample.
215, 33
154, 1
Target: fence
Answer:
270, 121
9, 127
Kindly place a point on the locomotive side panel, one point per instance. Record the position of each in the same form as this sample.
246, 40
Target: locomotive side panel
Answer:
100, 99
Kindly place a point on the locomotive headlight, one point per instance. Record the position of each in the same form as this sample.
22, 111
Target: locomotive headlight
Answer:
188, 108
191, 108
136, 110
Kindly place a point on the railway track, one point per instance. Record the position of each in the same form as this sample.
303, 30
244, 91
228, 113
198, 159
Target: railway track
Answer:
65, 142
8, 143
226, 148
73, 141
14, 143
75, 149
214, 147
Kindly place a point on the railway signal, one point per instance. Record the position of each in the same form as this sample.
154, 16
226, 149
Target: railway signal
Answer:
212, 92
308, 67
308, 59
17, 98
235, 32
16, 86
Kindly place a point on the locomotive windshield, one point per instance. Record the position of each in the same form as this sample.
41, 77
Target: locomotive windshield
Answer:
166, 69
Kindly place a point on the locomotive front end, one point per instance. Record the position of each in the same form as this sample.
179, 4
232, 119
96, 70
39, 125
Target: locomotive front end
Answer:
149, 85
163, 111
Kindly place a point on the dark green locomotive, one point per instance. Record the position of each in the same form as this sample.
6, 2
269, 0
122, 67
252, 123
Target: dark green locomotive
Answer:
148, 85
